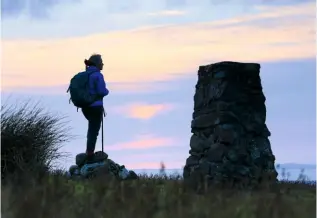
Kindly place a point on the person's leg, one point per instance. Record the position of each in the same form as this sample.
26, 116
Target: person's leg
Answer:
94, 124
87, 112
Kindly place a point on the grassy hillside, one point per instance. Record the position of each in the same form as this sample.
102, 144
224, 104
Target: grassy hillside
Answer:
57, 196
31, 139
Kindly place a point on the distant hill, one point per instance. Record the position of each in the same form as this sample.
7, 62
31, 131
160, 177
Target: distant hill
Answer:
284, 165
297, 166
293, 169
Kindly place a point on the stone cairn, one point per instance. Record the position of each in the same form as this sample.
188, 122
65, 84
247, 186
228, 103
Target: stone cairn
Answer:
230, 138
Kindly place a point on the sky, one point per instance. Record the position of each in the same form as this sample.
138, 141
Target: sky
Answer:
152, 51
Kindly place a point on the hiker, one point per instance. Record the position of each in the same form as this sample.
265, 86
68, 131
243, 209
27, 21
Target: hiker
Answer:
90, 98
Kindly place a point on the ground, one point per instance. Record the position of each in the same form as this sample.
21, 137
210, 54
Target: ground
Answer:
56, 196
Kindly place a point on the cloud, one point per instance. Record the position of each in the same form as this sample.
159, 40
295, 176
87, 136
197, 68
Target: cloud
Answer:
50, 8
162, 53
158, 156
120, 7
36, 19
155, 165
143, 111
118, 88
140, 87
151, 158
167, 13
32, 8
143, 142
176, 4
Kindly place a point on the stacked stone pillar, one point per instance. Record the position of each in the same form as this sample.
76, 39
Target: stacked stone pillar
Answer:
230, 138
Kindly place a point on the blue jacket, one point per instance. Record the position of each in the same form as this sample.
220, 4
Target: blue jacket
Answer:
97, 85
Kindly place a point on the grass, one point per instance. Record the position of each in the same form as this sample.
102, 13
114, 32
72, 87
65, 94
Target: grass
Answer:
31, 141
56, 196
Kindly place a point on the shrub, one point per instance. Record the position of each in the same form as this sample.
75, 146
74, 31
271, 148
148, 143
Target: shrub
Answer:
30, 139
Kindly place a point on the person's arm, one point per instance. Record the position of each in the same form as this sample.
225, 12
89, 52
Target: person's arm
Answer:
101, 86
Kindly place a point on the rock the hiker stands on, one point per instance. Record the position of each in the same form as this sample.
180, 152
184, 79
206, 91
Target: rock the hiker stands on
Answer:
100, 164
230, 137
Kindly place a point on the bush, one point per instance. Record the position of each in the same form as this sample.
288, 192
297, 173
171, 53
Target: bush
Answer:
30, 139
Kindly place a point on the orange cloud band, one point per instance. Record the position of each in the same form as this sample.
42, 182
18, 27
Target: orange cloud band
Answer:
143, 142
143, 111
160, 53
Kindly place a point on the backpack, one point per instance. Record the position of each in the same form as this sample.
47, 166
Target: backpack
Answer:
79, 90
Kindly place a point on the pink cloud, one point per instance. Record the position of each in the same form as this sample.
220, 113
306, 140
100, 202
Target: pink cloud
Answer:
163, 155
155, 165
144, 111
144, 142
167, 13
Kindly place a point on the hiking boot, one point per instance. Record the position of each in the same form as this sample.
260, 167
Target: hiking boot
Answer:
90, 158
100, 156
81, 159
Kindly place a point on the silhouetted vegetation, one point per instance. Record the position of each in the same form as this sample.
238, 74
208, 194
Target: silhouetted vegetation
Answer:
31, 139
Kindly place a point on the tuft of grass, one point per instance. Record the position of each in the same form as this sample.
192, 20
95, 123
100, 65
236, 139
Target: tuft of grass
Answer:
31, 139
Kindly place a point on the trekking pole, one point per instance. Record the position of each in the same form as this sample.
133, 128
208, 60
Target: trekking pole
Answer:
104, 115
102, 135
